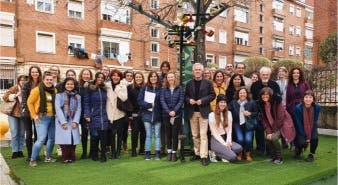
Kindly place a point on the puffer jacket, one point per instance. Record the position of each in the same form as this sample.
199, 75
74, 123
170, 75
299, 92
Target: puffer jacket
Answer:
95, 100
172, 101
155, 114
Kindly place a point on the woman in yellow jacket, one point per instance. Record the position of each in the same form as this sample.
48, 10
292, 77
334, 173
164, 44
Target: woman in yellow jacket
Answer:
41, 107
219, 86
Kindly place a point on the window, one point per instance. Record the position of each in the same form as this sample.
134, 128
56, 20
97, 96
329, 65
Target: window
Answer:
155, 62
278, 24
239, 58
154, 4
261, 30
155, 47
45, 42
260, 40
46, 6
278, 44
260, 51
75, 9
278, 4
111, 49
210, 58
261, 8
241, 14
210, 38
112, 11
309, 14
222, 37
154, 32
298, 31
7, 35
309, 34
292, 9
75, 41
222, 62
291, 50
308, 51
291, 29
241, 38
297, 50
261, 17
298, 12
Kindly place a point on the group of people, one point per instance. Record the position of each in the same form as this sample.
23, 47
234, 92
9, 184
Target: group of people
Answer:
225, 114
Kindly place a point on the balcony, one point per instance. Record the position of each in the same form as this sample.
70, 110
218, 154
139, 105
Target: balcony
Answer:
278, 13
278, 54
241, 49
241, 26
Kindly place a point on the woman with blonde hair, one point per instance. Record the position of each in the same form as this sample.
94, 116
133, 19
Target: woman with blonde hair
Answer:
172, 99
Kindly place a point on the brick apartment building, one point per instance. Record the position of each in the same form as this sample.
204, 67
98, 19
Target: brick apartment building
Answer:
325, 22
40, 31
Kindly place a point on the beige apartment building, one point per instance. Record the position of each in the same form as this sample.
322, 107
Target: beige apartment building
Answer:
39, 32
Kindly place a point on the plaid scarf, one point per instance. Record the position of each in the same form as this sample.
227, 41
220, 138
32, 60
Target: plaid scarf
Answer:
70, 104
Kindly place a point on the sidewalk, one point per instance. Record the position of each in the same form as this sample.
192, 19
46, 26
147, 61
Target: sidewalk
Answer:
5, 179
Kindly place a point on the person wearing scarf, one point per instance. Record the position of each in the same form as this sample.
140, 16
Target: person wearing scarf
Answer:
41, 107
68, 113
306, 117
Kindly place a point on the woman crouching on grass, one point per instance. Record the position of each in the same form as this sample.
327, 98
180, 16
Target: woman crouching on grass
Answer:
306, 117
68, 113
220, 122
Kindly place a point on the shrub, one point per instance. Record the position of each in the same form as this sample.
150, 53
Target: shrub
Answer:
253, 64
288, 64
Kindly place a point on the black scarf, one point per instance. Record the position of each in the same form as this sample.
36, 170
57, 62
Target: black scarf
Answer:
43, 100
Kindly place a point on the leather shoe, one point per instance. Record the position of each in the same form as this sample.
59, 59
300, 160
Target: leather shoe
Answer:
204, 161
195, 157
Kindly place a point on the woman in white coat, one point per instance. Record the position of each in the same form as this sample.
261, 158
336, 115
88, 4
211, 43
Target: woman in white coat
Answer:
68, 113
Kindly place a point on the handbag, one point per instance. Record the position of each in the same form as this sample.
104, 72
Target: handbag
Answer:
250, 123
124, 106
7, 107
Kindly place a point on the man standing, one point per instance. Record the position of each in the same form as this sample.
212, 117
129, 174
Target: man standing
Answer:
199, 94
240, 68
264, 81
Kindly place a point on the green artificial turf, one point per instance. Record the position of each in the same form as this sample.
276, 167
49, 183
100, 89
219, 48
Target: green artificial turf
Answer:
137, 171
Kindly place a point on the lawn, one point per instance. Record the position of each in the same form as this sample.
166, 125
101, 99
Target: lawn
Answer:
129, 170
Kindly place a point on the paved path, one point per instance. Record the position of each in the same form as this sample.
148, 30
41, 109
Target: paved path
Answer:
5, 179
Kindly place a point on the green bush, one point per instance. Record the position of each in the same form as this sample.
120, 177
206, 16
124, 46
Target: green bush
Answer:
253, 64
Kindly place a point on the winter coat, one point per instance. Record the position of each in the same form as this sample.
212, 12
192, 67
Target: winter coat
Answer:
257, 86
120, 91
250, 106
278, 114
172, 101
155, 114
10, 96
95, 101
25, 92
293, 98
64, 137
218, 91
299, 124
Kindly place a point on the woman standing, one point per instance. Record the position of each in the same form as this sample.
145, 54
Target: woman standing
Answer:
236, 81
117, 118
282, 83
16, 124
137, 126
295, 89
149, 101
220, 122
70, 73
306, 117
41, 107
95, 113
68, 113
172, 99
207, 74
34, 78
243, 110
219, 87
272, 114
85, 77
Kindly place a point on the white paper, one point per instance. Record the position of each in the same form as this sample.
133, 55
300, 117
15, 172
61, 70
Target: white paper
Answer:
149, 97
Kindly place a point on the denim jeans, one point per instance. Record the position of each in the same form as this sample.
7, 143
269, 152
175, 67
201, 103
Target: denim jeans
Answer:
244, 137
44, 128
153, 128
17, 129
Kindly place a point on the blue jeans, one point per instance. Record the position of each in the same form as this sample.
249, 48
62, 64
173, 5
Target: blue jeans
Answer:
244, 137
44, 128
151, 129
17, 128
